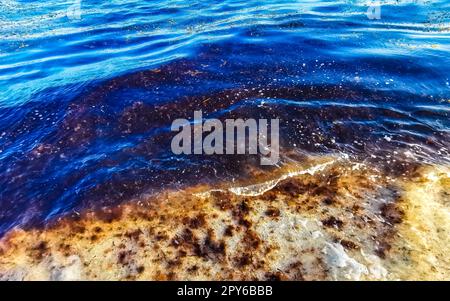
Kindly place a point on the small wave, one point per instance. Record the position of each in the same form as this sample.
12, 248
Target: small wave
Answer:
261, 188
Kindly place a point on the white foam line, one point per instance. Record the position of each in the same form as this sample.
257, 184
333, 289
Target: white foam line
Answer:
261, 188
258, 189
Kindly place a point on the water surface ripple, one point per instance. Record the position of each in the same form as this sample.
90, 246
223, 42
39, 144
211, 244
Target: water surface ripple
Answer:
86, 104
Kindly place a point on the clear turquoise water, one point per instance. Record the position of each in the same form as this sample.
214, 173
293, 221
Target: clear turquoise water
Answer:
86, 103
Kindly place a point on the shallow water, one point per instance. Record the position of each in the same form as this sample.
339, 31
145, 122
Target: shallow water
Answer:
87, 104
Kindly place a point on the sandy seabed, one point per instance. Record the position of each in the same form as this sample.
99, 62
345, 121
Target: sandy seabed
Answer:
327, 219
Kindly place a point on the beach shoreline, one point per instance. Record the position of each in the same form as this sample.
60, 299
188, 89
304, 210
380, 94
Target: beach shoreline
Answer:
330, 219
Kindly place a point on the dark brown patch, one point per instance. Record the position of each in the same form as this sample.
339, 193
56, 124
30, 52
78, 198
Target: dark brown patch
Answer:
65, 249
382, 249
291, 187
187, 236
40, 250
229, 231
208, 249
328, 201
251, 239
243, 260
240, 213
171, 276
197, 222
192, 269
356, 208
328, 187
333, 222
140, 269
161, 236
222, 200
244, 222
213, 249
124, 257
295, 270
243, 207
349, 245
173, 263
98, 229
134, 235
273, 212
391, 213
273, 276
270, 196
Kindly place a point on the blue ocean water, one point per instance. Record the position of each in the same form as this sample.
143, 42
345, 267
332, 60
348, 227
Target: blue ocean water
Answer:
88, 90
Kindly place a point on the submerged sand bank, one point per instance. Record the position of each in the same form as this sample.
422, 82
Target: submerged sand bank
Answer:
328, 219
